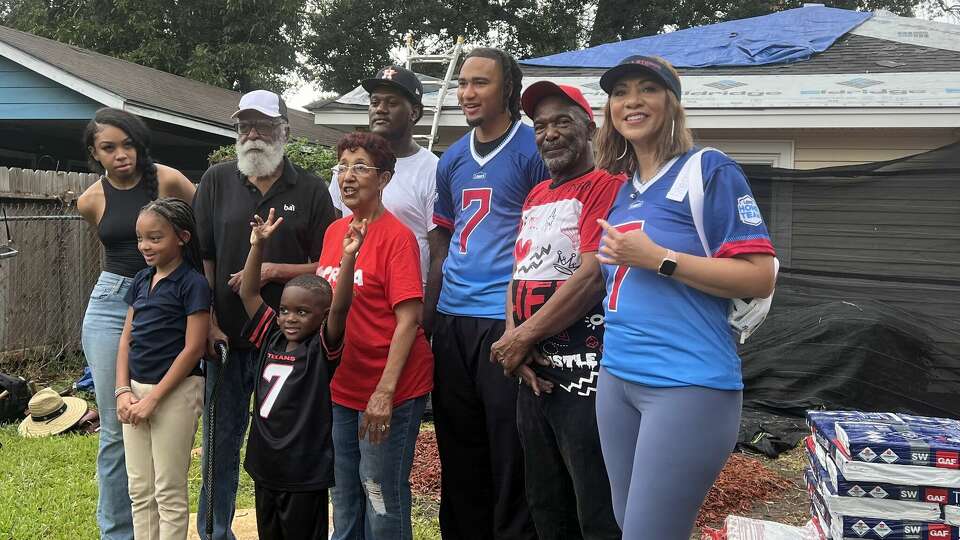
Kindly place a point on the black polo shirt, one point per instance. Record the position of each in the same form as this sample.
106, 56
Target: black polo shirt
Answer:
225, 203
159, 328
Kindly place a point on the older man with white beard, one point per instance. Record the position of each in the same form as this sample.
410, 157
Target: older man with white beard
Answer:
230, 193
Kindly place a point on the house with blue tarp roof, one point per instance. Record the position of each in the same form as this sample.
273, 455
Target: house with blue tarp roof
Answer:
803, 88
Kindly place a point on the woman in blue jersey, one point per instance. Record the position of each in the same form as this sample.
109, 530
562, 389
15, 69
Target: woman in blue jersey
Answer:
669, 394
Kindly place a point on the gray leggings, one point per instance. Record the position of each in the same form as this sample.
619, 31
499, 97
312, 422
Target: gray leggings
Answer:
663, 448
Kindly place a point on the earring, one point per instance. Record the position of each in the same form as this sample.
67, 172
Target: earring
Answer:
625, 146
673, 124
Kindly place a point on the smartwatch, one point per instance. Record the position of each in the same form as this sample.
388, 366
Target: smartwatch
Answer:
669, 264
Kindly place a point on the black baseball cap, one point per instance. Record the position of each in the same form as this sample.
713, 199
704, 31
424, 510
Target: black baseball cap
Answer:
399, 78
646, 65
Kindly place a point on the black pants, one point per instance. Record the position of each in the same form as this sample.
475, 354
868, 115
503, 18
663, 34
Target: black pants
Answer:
474, 409
567, 487
291, 515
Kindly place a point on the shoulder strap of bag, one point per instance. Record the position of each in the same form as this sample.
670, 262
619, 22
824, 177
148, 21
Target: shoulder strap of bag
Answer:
689, 182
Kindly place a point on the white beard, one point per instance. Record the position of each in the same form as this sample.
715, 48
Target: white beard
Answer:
263, 161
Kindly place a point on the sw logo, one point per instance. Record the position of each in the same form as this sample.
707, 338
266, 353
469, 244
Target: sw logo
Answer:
948, 460
920, 458
289, 207
909, 495
749, 211
913, 530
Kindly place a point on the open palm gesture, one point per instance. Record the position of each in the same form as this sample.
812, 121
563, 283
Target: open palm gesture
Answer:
260, 230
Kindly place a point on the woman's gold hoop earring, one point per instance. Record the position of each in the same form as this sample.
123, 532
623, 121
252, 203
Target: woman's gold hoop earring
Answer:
625, 146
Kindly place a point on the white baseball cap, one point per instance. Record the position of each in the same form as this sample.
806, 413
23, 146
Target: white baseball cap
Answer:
264, 102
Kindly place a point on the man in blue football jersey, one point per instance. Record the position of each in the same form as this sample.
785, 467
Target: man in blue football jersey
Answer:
482, 181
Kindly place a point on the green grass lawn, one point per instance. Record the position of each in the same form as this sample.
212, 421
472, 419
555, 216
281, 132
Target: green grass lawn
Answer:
49, 492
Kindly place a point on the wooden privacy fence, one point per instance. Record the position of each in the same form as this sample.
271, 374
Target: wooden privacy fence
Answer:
45, 286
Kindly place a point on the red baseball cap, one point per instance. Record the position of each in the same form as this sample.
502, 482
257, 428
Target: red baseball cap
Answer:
541, 89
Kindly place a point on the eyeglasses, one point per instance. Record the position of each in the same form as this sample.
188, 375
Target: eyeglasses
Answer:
263, 127
358, 169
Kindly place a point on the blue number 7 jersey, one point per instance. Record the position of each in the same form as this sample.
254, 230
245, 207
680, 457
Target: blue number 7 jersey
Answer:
480, 200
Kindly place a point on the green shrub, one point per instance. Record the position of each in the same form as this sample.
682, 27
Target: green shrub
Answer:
304, 154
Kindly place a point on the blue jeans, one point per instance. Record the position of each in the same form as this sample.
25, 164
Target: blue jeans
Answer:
372, 497
100, 336
232, 417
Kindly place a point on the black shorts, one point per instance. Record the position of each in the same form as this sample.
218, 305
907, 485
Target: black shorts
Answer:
291, 515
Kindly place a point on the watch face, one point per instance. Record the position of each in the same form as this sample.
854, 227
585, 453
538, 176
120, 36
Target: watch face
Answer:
667, 267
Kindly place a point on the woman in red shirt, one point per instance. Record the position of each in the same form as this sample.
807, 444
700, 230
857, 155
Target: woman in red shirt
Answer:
380, 388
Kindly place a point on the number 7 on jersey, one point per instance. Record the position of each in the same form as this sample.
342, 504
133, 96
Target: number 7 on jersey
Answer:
483, 196
613, 300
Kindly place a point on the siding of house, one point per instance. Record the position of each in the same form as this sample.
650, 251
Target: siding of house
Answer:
829, 148
25, 95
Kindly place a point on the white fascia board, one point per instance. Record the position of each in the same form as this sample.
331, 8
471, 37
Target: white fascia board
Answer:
60, 76
888, 117
174, 119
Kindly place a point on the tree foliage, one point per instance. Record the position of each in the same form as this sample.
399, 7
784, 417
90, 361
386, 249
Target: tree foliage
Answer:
304, 154
235, 44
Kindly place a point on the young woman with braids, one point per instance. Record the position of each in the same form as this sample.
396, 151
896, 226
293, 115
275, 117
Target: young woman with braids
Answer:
117, 145
159, 388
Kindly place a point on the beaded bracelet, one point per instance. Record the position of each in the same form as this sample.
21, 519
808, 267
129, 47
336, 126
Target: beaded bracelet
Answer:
121, 390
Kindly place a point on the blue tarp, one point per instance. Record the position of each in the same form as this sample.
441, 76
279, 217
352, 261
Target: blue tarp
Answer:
784, 37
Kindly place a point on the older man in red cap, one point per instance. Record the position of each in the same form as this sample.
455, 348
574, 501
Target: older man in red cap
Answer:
554, 335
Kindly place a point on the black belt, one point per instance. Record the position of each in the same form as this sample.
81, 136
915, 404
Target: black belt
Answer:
50, 416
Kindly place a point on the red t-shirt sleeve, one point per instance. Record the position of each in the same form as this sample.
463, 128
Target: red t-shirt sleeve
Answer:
596, 206
402, 279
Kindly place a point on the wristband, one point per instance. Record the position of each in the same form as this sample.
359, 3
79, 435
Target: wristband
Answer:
121, 390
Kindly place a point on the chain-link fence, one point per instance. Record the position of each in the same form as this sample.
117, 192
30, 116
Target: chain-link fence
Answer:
49, 262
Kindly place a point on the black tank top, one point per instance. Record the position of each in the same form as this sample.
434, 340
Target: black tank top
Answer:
117, 228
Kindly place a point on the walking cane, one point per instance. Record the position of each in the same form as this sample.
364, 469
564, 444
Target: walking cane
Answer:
221, 348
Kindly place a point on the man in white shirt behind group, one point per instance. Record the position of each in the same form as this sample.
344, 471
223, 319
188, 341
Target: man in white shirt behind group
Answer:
395, 107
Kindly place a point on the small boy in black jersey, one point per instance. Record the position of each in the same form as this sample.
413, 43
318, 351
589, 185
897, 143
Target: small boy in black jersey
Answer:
290, 450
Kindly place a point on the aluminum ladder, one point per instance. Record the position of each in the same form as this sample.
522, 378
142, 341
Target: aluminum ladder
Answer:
451, 57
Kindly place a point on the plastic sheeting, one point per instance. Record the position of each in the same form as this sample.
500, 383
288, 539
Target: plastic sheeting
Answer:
788, 36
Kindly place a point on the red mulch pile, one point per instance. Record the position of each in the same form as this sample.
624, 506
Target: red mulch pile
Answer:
743, 482
425, 476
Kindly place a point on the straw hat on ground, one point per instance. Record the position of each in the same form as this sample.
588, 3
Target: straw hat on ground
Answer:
51, 414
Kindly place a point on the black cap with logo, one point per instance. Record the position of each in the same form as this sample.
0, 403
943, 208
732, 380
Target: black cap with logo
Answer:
399, 78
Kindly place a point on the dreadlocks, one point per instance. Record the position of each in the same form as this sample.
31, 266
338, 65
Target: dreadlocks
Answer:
510, 72
180, 215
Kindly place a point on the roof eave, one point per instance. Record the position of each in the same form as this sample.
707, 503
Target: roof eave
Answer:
104, 96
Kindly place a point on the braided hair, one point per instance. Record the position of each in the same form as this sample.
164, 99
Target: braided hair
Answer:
139, 135
510, 73
180, 215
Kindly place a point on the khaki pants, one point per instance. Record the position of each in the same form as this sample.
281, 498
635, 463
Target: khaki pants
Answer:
158, 461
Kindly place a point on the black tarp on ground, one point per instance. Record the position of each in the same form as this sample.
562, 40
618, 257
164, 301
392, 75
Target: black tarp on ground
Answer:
867, 307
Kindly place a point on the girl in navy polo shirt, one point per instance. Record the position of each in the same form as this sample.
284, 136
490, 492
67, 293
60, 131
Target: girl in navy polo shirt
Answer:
159, 385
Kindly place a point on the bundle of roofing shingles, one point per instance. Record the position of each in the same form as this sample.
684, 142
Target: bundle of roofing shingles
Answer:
884, 476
